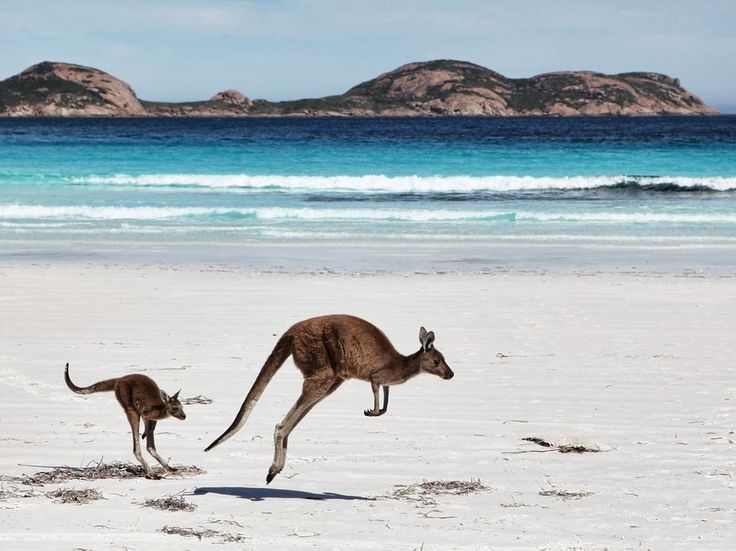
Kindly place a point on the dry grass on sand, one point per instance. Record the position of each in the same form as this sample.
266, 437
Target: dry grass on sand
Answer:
170, 503
77, 497
425, 492
99, 471
562, 447
225, 537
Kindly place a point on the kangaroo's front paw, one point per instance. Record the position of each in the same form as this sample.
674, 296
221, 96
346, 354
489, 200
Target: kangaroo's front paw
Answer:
171, 469
271, 475
153, 476
372, 413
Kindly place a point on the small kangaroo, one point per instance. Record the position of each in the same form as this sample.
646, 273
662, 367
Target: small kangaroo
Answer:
329, 350
139, 396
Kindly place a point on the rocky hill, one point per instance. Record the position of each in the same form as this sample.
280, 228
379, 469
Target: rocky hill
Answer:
447, 87
433, 88
64, 89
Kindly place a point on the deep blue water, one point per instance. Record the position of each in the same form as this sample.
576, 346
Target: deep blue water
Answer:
643, 181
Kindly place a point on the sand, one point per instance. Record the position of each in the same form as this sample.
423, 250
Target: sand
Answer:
637, 365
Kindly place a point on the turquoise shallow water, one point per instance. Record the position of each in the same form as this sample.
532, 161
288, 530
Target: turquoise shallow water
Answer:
608, 182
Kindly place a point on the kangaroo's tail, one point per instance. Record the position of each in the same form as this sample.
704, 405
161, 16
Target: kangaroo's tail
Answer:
102, 386
275, 360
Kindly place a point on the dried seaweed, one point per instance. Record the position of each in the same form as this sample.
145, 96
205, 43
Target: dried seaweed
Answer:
565, 494
538, 440
77, 497
424, 492
15, 492
170, 503
576, 448
200, 533
199, 399
99, 471
562, 448
190, 532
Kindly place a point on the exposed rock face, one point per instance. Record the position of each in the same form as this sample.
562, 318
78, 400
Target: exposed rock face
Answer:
461, 88
64, 89
432, 88
437, 88
588, 93
230, 103
231, 97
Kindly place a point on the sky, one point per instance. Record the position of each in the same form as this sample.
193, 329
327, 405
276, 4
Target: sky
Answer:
178, 50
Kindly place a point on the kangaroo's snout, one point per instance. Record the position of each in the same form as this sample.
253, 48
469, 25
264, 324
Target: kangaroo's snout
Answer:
449, 375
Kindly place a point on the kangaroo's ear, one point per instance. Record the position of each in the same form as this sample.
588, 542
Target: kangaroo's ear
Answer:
426, 338
429, 340
176, 396
164, 396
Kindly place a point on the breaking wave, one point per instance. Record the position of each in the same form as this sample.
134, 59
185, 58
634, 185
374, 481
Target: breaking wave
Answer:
415, 184
197, 214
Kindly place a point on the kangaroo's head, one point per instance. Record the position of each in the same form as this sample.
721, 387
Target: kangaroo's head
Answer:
431, 360
173, 405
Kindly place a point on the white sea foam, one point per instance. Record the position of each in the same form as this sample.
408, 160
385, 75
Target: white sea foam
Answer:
83, 212
400, 184
637, 218
307, 235
94, 213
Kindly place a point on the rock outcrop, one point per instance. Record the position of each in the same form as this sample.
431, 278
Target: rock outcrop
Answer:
65, 89
448, 87
432, 88
231, 97
230, 103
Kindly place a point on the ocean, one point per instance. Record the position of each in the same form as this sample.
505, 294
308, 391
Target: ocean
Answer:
478, 191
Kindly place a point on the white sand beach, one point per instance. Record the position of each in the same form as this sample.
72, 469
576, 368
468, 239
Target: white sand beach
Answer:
638, 365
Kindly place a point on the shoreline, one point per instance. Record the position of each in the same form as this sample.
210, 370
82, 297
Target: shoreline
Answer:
425, 258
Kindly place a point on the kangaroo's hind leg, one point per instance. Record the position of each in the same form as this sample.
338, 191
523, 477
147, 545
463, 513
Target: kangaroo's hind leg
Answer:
134, 420
332, 389
314, 390
151, 446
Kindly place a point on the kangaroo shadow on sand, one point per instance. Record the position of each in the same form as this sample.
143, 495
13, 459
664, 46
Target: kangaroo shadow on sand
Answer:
261, 494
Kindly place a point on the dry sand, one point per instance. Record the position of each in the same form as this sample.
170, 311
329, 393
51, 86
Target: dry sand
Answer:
637, 365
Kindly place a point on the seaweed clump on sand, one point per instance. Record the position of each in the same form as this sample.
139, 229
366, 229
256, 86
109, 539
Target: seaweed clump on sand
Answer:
99, 471
562, 447
170, 503
77, 497
426, 491
225, 537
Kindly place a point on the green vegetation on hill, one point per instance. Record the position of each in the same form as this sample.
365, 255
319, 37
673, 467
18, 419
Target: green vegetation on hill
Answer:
19, 90
439, 87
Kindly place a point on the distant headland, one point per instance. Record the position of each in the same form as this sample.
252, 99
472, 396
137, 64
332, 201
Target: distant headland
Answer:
431, 88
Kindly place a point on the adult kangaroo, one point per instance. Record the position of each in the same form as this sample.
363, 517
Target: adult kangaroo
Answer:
329, 350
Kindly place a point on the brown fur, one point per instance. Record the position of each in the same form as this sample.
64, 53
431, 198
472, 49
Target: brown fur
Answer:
329, 350
140, 397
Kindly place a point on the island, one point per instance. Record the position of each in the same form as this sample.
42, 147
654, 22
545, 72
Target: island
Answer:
430, 88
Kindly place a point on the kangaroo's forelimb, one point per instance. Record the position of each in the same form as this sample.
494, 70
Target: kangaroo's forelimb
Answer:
375, 412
